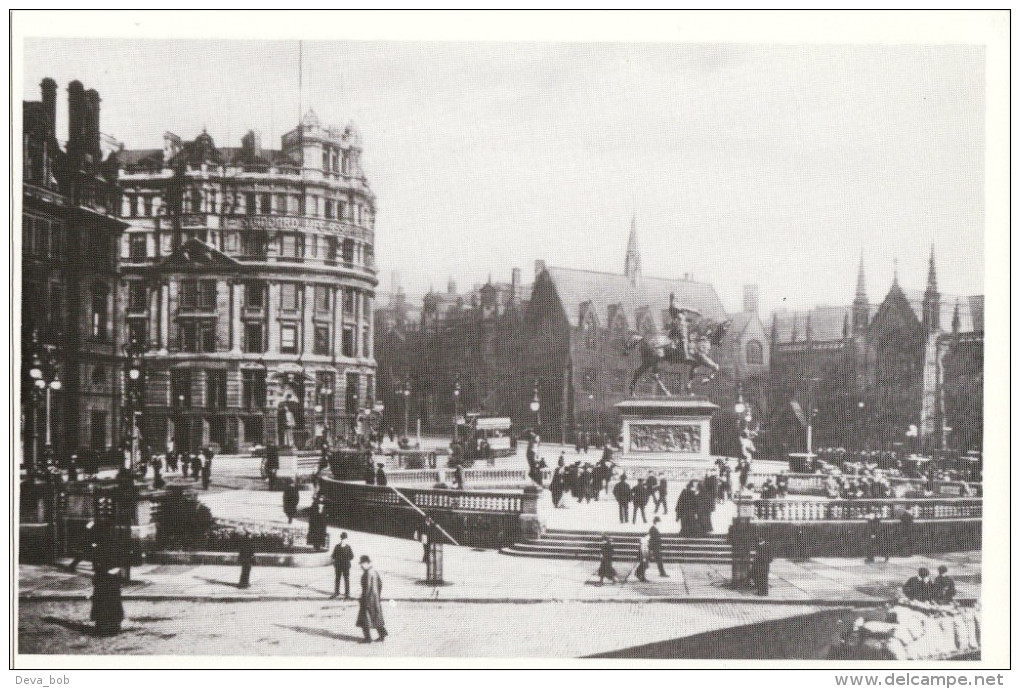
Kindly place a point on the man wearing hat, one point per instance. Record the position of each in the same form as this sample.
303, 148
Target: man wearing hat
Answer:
944, 586
343, 555
370, 613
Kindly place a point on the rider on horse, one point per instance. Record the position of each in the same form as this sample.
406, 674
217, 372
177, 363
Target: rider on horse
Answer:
679, 327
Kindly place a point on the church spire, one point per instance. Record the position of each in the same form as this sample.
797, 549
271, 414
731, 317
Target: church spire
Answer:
632, 263
932, 299
861, 312
933, 282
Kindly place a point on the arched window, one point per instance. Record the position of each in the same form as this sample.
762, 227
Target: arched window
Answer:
754, 353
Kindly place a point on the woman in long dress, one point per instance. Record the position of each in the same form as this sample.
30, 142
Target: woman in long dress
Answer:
606, 570
107, 609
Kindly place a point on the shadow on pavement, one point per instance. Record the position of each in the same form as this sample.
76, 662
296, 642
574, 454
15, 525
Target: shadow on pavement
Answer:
231, 584
322, 632
74, 626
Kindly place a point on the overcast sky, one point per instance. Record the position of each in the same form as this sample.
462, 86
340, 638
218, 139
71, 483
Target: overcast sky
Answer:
743, 164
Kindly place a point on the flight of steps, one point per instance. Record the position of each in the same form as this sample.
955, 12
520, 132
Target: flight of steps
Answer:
561, 544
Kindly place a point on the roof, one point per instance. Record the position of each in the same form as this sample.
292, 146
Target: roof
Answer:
602, 290
826, 322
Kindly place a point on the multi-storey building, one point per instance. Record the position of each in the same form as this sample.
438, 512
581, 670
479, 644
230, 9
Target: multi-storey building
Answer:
69, 274
249, 278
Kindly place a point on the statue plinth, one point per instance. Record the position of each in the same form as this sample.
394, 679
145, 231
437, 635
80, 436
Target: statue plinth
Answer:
668, 430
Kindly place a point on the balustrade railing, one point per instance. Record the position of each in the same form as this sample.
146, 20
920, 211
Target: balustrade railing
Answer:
346, 493
849, 510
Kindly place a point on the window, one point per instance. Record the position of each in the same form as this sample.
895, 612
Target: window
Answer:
370, 389
198, 295
322, 298
180, 388
590, 333
366, 343
100, 313
288, 339
254, 295
321, 340
325, 160
216, 389
196, 201
253, 389
341, 210
348, 251
329, 209
281, 204
352, 393
265, 201
137, 249
288, 296
42, 238
292, 246
138, 332
136, 297
754, 353
198, 336
325, 387
331, 249
249, 203
254, 244
254, 338
212, 202
147, 205
349, 297
98, 374
348, 343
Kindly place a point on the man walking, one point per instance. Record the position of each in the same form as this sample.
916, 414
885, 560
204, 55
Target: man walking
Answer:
623, 493
662, 495
655, 546
642, 558
343, 555
370, 615
640, 499
760, 567
291, 499
246, 558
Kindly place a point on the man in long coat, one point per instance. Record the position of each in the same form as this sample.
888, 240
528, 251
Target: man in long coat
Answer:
370, 615
291, 500
622, 492
107, 608
343, 555
760, 567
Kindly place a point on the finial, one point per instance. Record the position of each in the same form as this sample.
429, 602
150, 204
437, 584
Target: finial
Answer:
896, 271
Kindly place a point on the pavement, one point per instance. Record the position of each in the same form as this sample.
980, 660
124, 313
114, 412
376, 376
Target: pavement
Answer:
477, 575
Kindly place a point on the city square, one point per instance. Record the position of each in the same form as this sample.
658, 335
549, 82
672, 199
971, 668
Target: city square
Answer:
268, 410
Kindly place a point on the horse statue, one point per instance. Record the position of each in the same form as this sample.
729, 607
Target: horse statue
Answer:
658, 349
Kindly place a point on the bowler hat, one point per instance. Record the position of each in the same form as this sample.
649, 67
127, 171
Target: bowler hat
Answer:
364, 559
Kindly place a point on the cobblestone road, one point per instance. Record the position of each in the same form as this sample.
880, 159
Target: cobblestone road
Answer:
309, 628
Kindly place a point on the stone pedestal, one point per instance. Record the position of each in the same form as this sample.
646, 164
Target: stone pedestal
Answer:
667, 431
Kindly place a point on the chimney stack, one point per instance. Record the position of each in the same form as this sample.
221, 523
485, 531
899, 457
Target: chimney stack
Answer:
539, 267
750, 298
92, 146
75, 123
49, 101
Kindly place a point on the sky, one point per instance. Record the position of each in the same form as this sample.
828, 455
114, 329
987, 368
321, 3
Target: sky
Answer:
739, 163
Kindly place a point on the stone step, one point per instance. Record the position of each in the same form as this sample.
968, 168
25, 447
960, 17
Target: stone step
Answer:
630, 535
622, 561
554, 552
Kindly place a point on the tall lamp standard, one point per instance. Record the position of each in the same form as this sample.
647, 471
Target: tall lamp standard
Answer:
536, 408
46, 379
406, 393
134, 397
456, 409
861, 444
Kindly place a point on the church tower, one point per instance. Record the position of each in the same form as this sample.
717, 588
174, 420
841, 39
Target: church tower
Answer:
632, 264
860, 307
932, 299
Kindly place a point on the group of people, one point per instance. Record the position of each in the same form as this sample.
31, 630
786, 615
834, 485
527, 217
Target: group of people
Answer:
927, 589
196, 464
584, 482
649, 550
695, 505
632, 500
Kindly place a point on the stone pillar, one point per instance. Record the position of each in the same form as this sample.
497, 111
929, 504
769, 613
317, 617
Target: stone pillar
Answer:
307, 326
164, 317
273, 325
338, 322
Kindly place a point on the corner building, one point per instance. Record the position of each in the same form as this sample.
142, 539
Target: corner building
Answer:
249, 275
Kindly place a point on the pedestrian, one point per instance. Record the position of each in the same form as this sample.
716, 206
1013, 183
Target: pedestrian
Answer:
652, 488
685, 510
185, 464
426, 535
744, 470
458, 477
876, 544
919, 587
380, 475
584, 442
317, 522
107, 607
206, 473
370, 615
291, 499
907, 533
556, 483
760, 567
246, 558
272, 464
587, 484
157, 476
705, 502
577, 441
662, 495
196, 466
171, 455
640, 499
343, 555
606, 570
623, 494
642, 558
655, 546
944, 587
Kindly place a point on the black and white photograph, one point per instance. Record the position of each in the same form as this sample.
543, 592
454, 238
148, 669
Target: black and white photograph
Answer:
354, 345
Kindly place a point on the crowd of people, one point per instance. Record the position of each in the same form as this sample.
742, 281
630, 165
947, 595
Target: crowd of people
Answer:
923, 587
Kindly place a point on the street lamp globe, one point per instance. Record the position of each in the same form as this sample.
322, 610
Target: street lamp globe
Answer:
134, 373
740, 408
35, 373
534, 405
747, 419
40, 383
55, 385
379, 407
318, 408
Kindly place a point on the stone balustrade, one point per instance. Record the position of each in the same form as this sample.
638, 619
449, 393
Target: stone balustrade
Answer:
850, 510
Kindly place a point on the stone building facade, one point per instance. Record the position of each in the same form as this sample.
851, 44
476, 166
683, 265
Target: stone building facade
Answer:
69, 238
249, 275
869, 374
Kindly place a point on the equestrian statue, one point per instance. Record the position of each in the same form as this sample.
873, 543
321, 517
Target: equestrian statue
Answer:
688, 341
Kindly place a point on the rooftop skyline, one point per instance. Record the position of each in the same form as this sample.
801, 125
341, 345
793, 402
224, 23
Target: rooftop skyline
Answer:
773, 165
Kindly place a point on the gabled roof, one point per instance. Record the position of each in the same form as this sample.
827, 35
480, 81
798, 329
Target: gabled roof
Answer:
826, 323
601, 290
972, 310
195, 254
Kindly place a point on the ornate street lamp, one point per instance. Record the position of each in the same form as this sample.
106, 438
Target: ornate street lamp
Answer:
405, 392
536, 408
456, 408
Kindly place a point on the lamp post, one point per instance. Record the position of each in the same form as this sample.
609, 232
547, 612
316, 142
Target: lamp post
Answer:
456, 409
861, 444
46, 379
134, 396
536, 408
406, 393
